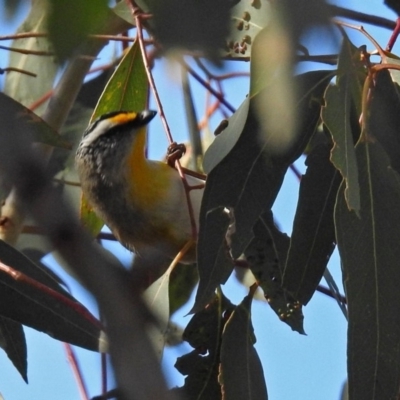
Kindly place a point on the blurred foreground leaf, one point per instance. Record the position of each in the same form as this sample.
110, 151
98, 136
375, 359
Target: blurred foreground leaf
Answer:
71, 21
31, 296
24, 88
39, 130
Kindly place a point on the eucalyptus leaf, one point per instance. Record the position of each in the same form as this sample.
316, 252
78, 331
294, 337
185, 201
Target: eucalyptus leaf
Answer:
369, 250
343, 106
246, 182
241, 372
313, 237
12, 341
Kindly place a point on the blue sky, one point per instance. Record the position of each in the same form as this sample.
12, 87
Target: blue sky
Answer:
311, 367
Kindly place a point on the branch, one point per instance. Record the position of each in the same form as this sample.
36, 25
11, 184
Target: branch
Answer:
362, 17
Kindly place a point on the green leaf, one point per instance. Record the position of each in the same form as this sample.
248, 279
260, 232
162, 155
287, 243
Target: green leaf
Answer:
241, 372
71, 21
127, 90
31, 296
266, 256
12, 341
39, 130
24, 88
370, 254
343, 105
123, 11
92, 223
313, 237
183, 280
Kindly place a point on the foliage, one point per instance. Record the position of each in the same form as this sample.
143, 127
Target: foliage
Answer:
345, 121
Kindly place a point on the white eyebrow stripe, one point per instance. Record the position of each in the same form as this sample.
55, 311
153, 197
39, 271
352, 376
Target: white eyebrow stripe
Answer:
100, 129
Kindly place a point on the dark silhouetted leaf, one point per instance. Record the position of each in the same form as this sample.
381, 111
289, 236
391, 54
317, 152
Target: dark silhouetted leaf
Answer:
12, 341
215, 261
313, 237
32, 297
201, 366
266, 256
241, 372
385, 116
370, 253
247, 182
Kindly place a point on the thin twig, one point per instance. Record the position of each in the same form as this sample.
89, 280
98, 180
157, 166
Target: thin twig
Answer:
362, 17
216, 94
23, 35
116, 38
395, 34
74, 363
296, 172
21, 71
24, 51
365, 33
328, 292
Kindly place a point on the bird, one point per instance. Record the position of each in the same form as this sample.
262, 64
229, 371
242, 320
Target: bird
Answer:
142, 201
